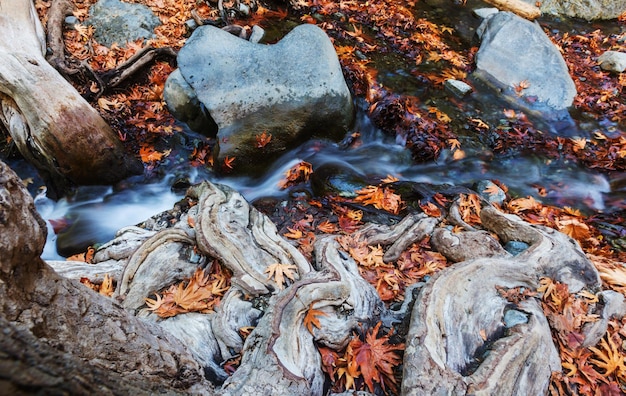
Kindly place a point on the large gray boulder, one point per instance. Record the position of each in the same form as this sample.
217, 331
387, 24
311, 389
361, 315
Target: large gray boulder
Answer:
293, 90
117, 22
584, 9
514, 50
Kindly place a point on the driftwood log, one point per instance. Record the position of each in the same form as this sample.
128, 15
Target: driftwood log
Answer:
52, 126
460, 338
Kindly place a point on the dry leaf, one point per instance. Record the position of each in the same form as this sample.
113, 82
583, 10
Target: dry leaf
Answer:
281, 271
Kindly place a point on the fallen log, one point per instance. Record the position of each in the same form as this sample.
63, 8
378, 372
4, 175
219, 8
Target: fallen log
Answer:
52, 126
519, 7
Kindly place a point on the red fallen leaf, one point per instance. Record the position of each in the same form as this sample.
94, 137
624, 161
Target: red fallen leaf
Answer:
330, 360
59, 225
374, 359
263, 139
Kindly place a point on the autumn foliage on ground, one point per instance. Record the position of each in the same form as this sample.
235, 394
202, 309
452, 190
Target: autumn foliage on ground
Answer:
361, 30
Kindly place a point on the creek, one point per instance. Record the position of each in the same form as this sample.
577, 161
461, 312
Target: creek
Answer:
94, 213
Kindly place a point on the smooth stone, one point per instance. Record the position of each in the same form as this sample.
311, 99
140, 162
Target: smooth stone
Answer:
513, 317
293, 90
485, 12
118, 22
513, 50
498, 197
614, 61
584, 9
457, 88
515, 247
182, 101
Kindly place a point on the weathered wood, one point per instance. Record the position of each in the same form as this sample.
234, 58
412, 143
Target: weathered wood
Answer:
463, 336
244, 240
59, 335
59, 9
519, 7
51, 124
460, 316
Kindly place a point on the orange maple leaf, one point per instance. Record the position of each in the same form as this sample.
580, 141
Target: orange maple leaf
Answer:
200, 294
298, 173
381, 198
263, 139
228, 162
311, 318
293, 233
374, 359
106, 288
575, 229
149, 154
327, 227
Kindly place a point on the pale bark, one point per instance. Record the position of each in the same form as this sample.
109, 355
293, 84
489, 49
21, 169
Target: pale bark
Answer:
51, 124
519, 7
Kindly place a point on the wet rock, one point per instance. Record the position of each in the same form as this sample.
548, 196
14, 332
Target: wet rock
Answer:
515, 247
293, 90
584, 9
336, 179
257, 34
485, 12
613, 61
118, 22
514, 317
182, 101
457, 88
514, 50
490, 191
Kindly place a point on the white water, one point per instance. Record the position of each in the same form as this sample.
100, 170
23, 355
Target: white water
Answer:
100, 212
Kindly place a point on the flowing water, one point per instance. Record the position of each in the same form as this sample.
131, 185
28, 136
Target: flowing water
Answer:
93, 214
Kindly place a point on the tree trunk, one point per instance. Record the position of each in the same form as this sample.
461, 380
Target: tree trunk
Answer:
60, 337
52, 125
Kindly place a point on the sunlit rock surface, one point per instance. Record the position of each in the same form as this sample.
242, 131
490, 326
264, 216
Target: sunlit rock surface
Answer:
584, 9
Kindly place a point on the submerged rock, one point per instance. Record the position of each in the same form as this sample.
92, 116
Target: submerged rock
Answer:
117, 22
517, 57
292, 90
457, 88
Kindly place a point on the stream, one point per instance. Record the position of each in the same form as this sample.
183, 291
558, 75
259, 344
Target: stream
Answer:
94, 213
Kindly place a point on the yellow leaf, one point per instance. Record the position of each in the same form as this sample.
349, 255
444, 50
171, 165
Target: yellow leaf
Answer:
106, 289
579, 144
293, 234
454, 144
279, 272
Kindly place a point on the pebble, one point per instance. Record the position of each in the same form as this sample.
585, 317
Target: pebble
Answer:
613, 61
513, 317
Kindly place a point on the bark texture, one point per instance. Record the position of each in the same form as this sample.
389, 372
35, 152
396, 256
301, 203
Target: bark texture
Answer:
51, 124
460, 337
59, 336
